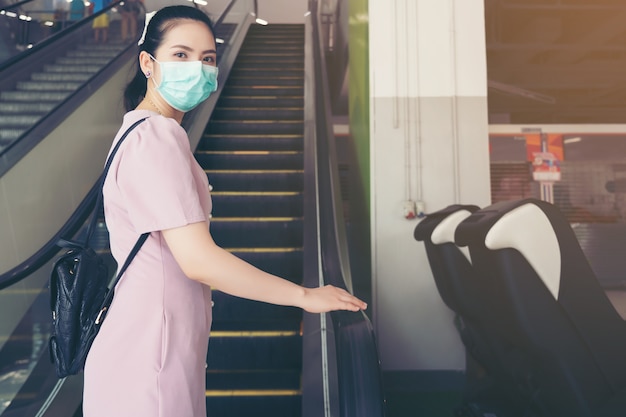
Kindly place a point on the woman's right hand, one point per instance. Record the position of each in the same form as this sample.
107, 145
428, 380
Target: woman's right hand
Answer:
329, 298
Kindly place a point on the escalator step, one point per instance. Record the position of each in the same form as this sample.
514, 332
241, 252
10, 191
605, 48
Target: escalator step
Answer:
246, 100
286, 263
270, 127
258, 113
267, 350
233, 309
265, 65
250, 159
226, 324
89, 69
47, 86
251, 142
256, 80
59, 76
83, 61
263, 379
111, 53
256, 403
24, 107
18, 120
34, 95
281, 56
266, 72
7, 135
257, 232
258, 204
263, 90
100, 47
256, 180
249, 47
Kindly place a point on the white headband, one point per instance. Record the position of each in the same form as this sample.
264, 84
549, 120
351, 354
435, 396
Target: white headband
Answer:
145, 28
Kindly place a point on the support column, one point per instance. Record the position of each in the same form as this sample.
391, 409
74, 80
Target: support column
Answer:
428, 144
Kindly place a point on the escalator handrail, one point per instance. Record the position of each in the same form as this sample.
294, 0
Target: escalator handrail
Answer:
358, 366
73, 224
50, 248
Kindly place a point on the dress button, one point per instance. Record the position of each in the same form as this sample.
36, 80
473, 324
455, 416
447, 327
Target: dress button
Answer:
210, 187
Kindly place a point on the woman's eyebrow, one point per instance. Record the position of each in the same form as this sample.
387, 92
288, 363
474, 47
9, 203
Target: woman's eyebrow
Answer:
187, 48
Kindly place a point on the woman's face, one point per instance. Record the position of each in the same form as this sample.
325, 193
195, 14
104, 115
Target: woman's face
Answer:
187, 40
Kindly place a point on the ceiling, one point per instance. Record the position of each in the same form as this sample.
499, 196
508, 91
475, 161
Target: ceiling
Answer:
556, 61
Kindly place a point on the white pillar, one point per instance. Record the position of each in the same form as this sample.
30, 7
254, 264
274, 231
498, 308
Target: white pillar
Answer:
428, 143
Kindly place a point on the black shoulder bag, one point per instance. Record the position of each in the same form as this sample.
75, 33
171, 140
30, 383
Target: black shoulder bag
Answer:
79, 295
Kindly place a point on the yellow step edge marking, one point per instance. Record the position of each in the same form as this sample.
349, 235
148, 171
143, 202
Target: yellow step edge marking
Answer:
254, 171
260, 108
253, 135
255, 219
267, 77
253, 393
249, 152
263, 97
255, 193
255, 333
264, 250
258, 121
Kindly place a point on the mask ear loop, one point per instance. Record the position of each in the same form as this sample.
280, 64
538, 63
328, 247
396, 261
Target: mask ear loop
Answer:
155, 60
149, 17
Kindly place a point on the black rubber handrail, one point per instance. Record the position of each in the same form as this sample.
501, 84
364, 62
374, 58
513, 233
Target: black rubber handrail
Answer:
71, 227
50, 249
359, 374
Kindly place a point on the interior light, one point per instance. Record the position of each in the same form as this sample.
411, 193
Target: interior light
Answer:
219, 40
572, 140
200, 2
11, 14
48, 23
261, 21
3, 12
30, 45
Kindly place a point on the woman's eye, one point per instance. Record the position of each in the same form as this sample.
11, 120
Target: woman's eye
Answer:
209, 59
180, 55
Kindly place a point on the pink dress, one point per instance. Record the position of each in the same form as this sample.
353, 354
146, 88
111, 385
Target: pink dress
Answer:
149, 358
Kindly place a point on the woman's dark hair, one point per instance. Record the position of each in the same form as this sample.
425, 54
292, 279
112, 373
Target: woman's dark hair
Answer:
158, 26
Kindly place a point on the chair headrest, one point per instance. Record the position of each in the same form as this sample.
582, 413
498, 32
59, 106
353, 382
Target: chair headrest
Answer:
527, 229
424, 229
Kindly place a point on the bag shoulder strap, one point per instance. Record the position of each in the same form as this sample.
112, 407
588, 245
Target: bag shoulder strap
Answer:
99, 203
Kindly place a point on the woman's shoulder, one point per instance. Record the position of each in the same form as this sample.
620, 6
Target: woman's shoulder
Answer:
157, 133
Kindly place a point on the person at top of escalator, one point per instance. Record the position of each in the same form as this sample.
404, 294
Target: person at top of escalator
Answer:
149, 356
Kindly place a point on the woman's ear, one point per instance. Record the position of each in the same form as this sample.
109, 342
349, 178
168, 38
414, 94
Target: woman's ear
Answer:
146, 64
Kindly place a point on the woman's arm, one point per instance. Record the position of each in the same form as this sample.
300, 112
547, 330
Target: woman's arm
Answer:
202, 260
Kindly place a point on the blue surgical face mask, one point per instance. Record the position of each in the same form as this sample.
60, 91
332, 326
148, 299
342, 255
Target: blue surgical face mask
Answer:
185, 84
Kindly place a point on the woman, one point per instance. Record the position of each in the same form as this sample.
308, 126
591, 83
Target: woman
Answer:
149, 356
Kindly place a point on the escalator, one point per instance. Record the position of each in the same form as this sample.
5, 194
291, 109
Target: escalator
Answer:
252, 151
256, 139
30, 100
